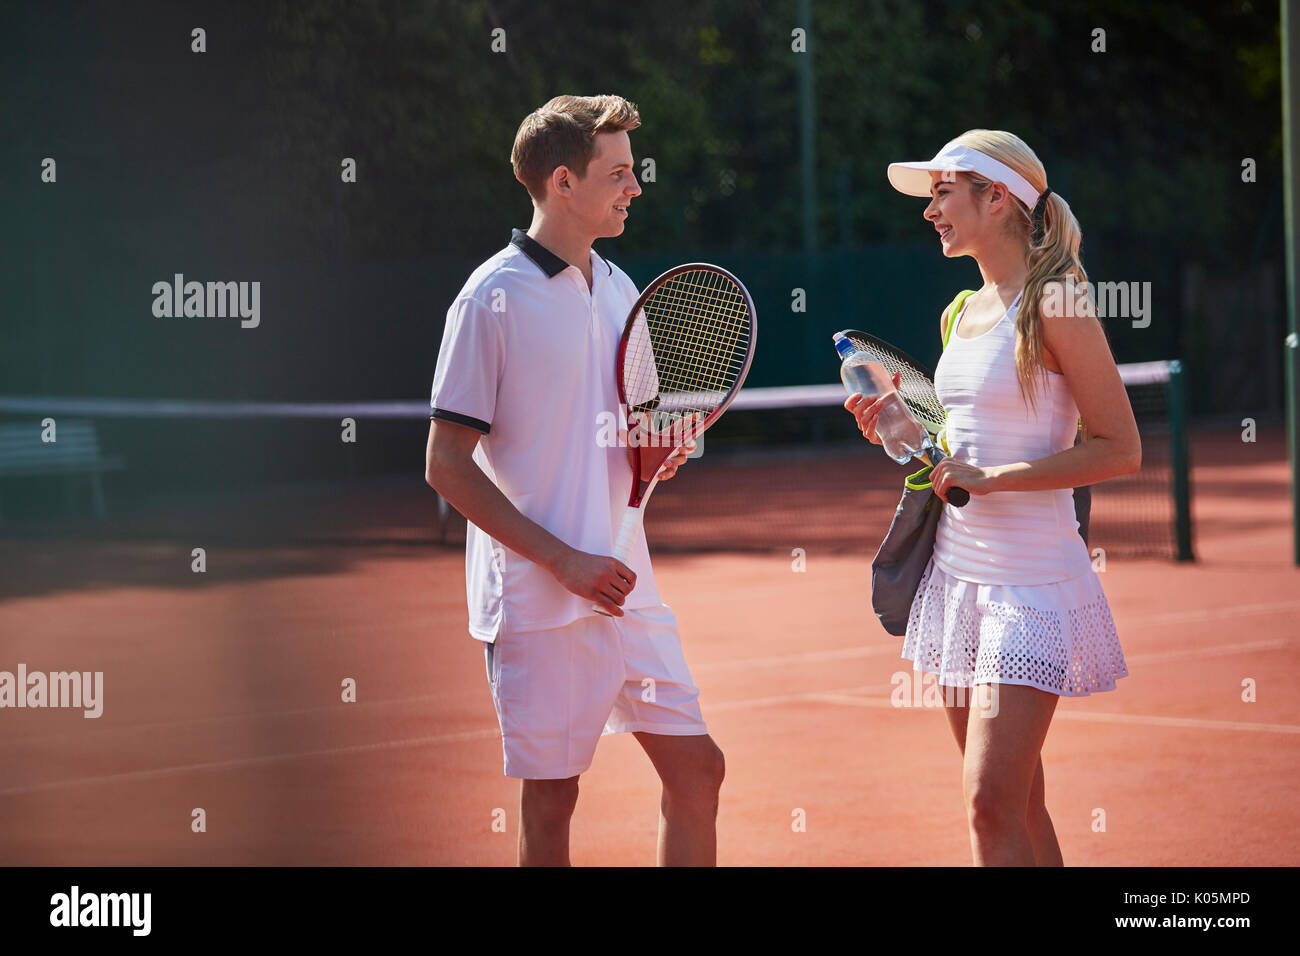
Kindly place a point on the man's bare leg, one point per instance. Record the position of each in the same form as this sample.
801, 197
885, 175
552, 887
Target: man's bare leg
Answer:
691, 770
545, 809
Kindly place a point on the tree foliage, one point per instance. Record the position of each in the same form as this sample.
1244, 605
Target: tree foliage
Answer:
1145, 139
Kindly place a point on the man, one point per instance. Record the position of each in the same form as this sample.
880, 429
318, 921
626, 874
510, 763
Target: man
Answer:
526, 368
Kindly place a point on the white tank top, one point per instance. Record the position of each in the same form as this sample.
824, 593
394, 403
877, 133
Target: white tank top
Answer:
1006, 537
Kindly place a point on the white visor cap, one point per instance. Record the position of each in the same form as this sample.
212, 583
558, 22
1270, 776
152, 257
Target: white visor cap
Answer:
913, 179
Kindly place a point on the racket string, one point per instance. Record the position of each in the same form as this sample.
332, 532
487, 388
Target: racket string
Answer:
691, 350
914, 386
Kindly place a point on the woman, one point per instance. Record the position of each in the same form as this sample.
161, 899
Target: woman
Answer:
1009, 599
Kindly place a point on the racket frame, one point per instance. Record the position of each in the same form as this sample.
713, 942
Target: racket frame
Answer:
918, 411
642, 487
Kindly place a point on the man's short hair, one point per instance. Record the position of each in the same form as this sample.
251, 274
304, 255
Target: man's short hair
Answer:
563, 133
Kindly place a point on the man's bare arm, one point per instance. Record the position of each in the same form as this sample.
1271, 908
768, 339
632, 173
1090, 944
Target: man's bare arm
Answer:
451, 471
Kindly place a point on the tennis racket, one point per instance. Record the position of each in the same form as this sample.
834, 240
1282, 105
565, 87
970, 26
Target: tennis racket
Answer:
916, 389
685, 350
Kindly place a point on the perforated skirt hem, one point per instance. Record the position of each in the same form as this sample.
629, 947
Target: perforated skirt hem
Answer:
1059, 637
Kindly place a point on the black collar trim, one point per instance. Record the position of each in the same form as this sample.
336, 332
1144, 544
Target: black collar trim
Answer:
546, 260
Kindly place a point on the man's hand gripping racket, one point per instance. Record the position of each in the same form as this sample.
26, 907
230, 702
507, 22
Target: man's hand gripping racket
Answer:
685, 352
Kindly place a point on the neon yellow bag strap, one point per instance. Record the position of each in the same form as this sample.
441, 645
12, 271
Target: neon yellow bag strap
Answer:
953, 309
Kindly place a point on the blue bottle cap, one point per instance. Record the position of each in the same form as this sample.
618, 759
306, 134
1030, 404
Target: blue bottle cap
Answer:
844, 346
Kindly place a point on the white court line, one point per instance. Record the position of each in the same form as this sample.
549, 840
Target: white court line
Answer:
839, 697
1213, 613
339, 708
1175, 617
812, 695
809, 656
805, 657
849, 696
1188, 723
852, 696
1180, 655
1185, 723
160, 772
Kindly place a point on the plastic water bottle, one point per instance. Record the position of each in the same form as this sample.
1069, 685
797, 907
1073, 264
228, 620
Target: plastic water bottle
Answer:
903, 437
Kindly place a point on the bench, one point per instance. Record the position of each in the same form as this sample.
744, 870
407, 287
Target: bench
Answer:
74, 452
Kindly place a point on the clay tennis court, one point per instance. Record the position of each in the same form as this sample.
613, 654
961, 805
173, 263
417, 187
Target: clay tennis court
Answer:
222, 691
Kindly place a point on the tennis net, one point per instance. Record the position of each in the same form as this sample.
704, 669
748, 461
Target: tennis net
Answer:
784, 471
787, 469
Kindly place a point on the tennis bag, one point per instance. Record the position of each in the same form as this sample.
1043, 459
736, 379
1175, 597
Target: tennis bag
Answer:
897, 567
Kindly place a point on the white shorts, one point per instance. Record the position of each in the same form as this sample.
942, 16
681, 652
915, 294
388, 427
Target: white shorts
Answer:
558, 691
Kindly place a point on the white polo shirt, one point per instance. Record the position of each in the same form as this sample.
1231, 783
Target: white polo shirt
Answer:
527, 359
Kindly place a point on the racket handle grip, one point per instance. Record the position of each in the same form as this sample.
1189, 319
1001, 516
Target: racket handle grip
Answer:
957, 497
627, 532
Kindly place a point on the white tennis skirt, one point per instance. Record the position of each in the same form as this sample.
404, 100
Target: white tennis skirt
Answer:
1057, 637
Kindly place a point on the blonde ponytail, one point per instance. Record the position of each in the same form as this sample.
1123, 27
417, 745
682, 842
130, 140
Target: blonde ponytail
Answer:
1051, 247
